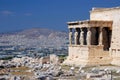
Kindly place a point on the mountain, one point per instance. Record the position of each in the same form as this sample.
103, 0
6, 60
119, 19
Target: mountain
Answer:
36, 32
35, 37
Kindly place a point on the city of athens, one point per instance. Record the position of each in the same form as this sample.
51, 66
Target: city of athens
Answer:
59, 40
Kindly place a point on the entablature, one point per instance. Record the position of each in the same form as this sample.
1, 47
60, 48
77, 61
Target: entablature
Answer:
90, 23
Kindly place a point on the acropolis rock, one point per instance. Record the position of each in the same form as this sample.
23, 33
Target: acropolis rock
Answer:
103, 47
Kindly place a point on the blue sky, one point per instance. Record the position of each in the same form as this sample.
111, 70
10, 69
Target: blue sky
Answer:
52, 14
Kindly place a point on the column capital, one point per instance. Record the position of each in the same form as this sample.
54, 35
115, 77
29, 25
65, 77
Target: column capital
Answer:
81, 29
101, 28
88, 28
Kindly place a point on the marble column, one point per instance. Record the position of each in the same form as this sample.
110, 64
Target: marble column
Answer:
70, 36
75, 37
100, 36
88, 38
81, 37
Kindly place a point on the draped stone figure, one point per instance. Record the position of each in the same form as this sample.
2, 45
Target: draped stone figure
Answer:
81, 37
75, 37
70, 37
100, 37
88, 38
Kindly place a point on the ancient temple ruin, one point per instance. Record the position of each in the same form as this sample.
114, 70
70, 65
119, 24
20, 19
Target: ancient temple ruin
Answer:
95, 41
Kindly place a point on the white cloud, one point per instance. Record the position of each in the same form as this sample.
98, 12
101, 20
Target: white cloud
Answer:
6, 12
28, 14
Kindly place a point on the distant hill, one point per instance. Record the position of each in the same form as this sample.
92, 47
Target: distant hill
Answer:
36, 32
35, 37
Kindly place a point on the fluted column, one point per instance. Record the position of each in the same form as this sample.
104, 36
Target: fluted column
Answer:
88, 38
81, 37
100, 36
70, 36
75, 37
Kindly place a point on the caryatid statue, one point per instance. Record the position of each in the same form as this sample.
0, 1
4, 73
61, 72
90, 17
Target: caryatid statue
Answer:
70, 37
75, 37
88, 38
100, 36
81, 37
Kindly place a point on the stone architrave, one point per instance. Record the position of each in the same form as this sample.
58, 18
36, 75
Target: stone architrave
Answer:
76, 37
88, 38
81, 37
70, 37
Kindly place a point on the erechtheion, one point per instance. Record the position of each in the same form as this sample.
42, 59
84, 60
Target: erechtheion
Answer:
95, 41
